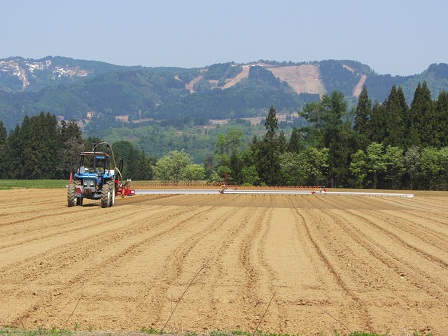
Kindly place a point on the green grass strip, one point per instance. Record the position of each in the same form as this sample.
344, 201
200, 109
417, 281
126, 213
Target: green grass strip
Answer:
32, 184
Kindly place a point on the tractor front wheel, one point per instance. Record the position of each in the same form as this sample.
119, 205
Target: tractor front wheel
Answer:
79, 200
71, 199
112, 192
106, 195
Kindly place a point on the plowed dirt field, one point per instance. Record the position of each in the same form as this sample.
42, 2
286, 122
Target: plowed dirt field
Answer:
299, 264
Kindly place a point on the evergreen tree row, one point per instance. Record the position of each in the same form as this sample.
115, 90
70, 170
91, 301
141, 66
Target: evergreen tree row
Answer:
376, 145
42, 148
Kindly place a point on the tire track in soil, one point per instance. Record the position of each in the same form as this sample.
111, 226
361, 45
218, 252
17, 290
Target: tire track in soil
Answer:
334, 202
272, 276
174, 265
401, 213
440, 221
425, 234
61, 229
397, 239
260, 274
309, 265
441, 216
422, 203
66, 249
37, 217
372, 277
433, 287
75, 284
225, 244
301, 231
218, 266
175, 262
27, 263
432, 201
327, 258
252, 301
316, 283
392, 257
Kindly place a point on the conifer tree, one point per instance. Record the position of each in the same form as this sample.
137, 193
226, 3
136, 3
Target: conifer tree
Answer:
295, 144
282, 142
422, 119
442, 119
3, 151
71, 146
395, 110
363, 113
42, 147
13, 153
337, 137
268, 163
378, 123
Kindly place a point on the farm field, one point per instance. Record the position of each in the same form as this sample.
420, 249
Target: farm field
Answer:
297, 264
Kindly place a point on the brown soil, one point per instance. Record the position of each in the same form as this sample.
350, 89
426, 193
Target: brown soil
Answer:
242, 75
327, 262
302, 78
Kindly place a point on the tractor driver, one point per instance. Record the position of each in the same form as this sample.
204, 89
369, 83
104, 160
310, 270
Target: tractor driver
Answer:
99, 169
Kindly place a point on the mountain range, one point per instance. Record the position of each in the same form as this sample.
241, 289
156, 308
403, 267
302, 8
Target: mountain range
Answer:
89, 91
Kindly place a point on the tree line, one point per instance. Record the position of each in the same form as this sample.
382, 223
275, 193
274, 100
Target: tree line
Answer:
43, 148
373, 145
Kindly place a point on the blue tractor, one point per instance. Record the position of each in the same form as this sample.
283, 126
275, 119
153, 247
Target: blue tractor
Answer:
96, 178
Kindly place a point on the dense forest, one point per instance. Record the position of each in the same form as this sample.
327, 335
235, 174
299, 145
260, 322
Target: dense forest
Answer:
98, 94
389, 145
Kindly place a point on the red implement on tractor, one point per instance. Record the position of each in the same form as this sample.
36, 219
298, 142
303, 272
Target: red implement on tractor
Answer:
98, 177
125, 189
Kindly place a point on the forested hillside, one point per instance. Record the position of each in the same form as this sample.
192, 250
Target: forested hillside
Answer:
99, 94
392, 145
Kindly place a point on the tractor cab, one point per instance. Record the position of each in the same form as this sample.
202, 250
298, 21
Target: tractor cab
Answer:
95, 164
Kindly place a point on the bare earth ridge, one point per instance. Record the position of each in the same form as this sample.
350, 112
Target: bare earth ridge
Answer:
346, 263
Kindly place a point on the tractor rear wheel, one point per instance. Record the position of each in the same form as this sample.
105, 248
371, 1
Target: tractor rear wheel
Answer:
106, 195
71, 199
112, 193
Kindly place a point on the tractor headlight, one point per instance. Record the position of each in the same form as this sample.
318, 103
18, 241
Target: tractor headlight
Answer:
89, 183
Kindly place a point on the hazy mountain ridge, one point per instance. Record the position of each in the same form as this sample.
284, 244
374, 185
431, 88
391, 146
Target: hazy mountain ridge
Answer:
80, 89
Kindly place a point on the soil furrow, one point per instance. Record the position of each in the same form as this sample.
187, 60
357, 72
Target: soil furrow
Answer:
87, 242
429, 223
402, 266
178, 275
75, 283
57, 227
392, 232
223, 285
329, 260
253, 294
345, 263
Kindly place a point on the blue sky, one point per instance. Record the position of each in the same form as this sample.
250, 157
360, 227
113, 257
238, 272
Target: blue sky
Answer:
395, 37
